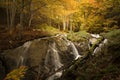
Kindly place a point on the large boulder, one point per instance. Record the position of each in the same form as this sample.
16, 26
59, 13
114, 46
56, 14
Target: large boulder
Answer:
42, 56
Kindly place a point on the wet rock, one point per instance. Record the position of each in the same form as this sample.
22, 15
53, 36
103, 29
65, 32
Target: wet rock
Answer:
43, 56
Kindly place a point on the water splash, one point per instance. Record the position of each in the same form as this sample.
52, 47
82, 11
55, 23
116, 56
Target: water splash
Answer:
55, 76
95, 35
96, 50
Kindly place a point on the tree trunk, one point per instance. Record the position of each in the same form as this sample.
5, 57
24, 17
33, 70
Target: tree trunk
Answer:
22, 14
71, 29
30, 13
64, 23
67, 24
30, 20
12, 15
8, 16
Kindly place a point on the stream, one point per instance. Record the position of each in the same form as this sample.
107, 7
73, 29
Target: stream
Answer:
50, 54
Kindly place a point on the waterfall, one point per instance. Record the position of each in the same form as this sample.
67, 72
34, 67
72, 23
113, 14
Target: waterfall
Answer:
96, 50
55, 76
27, 44
45, 53
100, 45
73, 48
21, 60
105, 41
52, 61
52, 57
95, 35
74, 51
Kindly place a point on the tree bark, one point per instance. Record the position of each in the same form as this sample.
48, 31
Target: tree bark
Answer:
30, 13
64, 23
8, 16
22, 14
12, 15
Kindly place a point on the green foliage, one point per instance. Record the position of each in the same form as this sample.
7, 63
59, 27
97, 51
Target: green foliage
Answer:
16, 74
49, 29
78, 36
113, 33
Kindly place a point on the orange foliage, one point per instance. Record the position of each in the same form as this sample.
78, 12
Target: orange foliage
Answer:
16, 74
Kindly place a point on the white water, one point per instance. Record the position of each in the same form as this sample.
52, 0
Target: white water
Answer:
96, 50
74, 51
100, 47
53, 58
95, 35
69, 43
21, 61
105, 41
23, 55
27, 44
55, 76
93, 40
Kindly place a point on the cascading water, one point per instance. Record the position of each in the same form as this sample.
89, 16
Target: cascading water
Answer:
21, 61
73, 48
23, 56
74, 51
53, 52
52, 61
100, 46
96, 50
52, 56
105, 41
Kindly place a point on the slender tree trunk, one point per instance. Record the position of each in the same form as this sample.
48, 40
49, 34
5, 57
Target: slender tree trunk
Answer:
71, 29
58, 26
64, 23
71, 26
30, 20
30, 13
22, 14
12, 15
8, 16
67, 24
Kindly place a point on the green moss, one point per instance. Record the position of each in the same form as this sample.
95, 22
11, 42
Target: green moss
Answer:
50, 29
78, 36
112, 34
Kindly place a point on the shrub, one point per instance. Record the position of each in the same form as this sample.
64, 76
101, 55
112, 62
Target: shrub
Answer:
78, 36
16, 74
47, 28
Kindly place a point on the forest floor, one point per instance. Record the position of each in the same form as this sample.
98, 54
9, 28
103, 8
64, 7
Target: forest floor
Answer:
17, 38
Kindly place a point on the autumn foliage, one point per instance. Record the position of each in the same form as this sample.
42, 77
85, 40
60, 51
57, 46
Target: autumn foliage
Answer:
16, 74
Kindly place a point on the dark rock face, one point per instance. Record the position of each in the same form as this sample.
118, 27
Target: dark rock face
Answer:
2, 70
